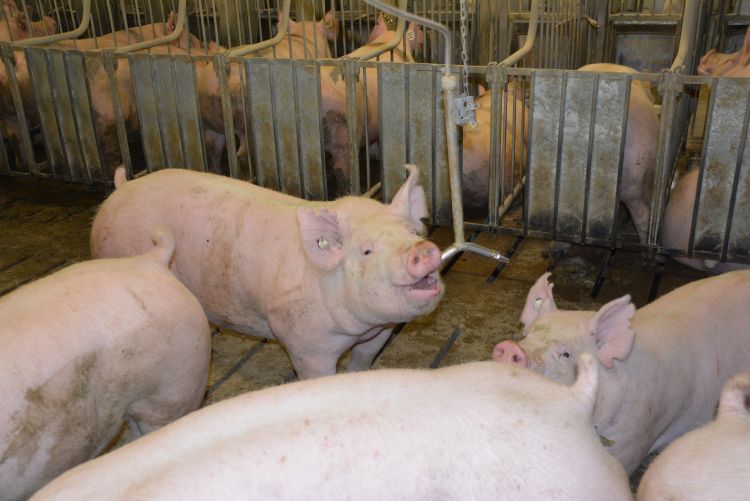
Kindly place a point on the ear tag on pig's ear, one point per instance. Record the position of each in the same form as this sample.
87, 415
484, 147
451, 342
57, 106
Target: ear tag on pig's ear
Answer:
321, 237
323, 243
538, 304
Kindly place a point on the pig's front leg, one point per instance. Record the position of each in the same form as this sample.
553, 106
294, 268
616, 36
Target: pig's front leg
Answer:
364, 353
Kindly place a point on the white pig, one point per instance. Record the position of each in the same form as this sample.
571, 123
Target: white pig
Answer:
87, 347
321, 277
710, 462
641, 142
664, 365
678, 217
474, 431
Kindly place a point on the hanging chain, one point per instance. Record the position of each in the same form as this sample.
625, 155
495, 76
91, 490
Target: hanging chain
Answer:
465, 104
464, 57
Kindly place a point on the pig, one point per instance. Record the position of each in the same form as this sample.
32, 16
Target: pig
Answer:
307, 40
716, 64
334, 100
663, 366
385, 434
675, 229
710, 462
641, 142
87, 347
16, 24
477, 142
321, 277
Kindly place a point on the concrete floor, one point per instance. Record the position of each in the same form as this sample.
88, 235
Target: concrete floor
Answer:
44, 226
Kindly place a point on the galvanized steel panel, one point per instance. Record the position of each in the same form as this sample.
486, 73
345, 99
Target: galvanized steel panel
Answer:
579, 94
728, 108
308, 116
167, 104
76, 67
188, 113
285, 106
545, 129
64, 115
37, 64
420, 125
261, 108
609, 138
393, 120
146, 100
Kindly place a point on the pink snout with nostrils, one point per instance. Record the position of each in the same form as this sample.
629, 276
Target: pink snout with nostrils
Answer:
423, 259
510, 353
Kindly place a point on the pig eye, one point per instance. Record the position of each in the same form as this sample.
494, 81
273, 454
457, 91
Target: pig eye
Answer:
564, 354
367, 252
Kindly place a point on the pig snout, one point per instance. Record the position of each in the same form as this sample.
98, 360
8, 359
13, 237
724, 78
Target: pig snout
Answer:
510, 353
422, 259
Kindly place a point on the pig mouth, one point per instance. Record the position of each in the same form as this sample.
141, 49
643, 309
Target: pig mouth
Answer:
426, 287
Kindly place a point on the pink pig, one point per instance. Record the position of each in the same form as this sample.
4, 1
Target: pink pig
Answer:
710, 462
641, 142
473, 431
321, 277
664, 365
735, 64
678, 217
87, 347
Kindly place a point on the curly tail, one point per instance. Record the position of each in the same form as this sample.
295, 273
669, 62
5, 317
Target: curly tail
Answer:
733, 396
120, 176
164, 241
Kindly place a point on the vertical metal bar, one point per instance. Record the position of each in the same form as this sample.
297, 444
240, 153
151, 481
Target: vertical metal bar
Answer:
558, 155
26, 147
222, 67
589, 157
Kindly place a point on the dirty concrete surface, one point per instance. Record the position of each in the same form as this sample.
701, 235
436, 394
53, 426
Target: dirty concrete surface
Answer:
45, 225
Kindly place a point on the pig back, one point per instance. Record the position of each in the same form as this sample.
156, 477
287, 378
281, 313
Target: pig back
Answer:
343, 436
81, 349
233, 239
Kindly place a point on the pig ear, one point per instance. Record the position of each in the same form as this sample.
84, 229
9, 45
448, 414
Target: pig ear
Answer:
611, 330
20, 22
329, 25
321, 237
539, 301
414, 36
171, 22
410, 200
482, 90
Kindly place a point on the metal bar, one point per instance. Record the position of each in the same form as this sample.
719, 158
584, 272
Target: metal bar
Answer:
85, 20
283, 28
175, 35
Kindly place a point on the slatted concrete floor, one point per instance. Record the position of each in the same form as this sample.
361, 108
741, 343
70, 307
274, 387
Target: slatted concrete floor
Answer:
44, 225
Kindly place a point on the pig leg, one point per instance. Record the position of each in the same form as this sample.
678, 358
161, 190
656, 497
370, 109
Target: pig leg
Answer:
639, 212
311, 365
364, 353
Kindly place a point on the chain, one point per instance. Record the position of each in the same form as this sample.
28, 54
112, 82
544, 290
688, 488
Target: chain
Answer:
464, 57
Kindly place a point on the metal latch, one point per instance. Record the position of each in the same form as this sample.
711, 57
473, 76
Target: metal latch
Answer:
465, 107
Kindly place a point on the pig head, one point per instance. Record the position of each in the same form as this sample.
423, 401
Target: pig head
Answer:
663, 366
319, 277
735, 64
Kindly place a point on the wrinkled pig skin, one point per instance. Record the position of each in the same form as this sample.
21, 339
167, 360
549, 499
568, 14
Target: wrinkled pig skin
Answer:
641, 142
385, 434
710, 462
87, 347
477, 142
334, 100
321, 277
736, 64
675, 230
663, 365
